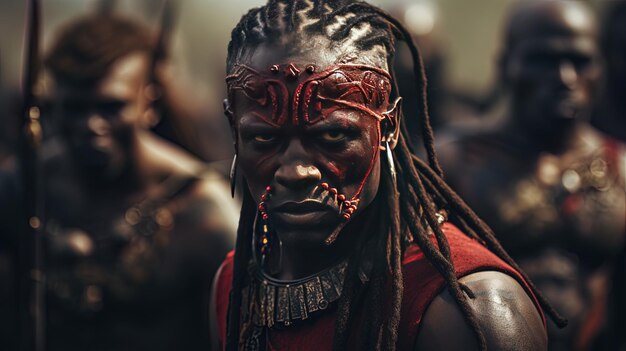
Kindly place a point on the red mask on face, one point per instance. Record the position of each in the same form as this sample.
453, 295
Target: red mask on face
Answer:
360, 87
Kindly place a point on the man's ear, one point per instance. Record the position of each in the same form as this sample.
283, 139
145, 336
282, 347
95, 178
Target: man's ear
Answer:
391, 131
228, 112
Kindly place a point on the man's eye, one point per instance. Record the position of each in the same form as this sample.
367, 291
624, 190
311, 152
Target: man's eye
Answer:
333, 136
264, 138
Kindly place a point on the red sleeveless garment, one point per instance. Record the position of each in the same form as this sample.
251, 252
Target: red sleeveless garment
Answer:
422, 283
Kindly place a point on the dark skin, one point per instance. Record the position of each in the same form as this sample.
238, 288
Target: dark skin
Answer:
543, 180
103, 124
299, 157
294, 161
113, 163
505, 313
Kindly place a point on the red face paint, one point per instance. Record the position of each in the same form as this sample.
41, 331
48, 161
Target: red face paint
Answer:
289, 97
360, 87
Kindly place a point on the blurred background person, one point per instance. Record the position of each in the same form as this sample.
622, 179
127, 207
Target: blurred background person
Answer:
135, 226
550, 186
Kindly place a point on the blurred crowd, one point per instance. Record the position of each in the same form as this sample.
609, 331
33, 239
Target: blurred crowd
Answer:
136, 212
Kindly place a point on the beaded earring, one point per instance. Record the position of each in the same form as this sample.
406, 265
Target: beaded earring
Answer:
263, 243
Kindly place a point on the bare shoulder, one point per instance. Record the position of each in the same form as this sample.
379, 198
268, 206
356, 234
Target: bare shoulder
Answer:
505, 312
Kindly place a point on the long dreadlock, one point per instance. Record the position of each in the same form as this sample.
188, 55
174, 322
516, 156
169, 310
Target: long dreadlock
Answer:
411, 202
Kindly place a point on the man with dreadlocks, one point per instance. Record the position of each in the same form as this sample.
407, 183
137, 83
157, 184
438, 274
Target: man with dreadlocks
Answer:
550, 186
135, 227
344, 240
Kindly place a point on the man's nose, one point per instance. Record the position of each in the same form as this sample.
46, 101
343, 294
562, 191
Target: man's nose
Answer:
568, 74
296, 169
98, 125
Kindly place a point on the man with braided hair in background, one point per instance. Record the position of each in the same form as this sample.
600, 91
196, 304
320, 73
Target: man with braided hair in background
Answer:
135, 227
346, 239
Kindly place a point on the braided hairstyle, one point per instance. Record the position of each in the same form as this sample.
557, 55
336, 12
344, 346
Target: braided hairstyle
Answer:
411, 202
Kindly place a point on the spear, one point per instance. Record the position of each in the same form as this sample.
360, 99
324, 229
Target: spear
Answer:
30, 275
168, 16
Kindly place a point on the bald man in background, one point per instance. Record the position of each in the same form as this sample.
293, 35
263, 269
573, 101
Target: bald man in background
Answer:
550, 186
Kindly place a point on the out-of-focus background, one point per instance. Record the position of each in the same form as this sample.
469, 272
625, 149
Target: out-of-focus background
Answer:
466, 30
463, 33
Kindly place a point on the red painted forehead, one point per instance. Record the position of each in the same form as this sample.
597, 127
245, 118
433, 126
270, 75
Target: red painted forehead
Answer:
316, 94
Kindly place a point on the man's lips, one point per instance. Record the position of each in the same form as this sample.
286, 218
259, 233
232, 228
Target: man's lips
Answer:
302, 207
304, 213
